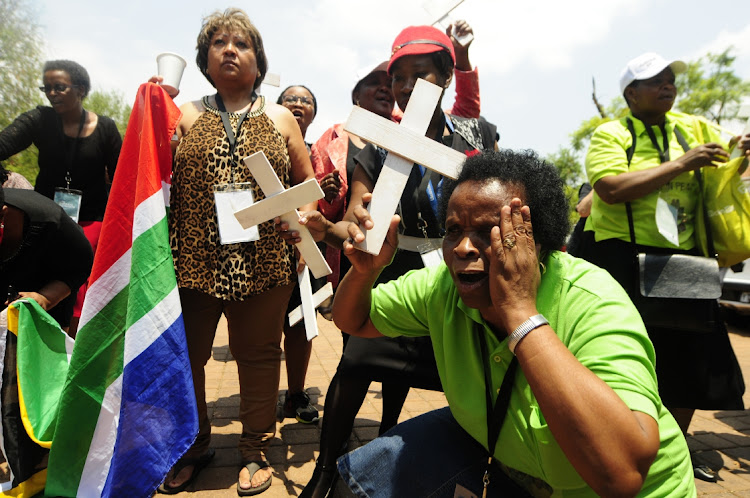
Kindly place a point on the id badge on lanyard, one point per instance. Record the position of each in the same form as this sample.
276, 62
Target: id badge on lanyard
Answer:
70, 200
431, 253
230, 198
430, 250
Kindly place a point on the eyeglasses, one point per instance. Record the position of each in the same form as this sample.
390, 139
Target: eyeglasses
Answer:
57, 88
293, 99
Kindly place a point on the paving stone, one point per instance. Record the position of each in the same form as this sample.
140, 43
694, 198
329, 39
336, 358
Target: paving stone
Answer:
719, 438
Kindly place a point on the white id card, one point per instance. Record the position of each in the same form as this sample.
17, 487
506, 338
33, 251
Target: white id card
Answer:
70, 200
432, 254
666, 221
230, 198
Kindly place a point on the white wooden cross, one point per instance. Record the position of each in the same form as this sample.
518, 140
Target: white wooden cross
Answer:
273, 79
280, 202
309, 303
440, 12
407, 145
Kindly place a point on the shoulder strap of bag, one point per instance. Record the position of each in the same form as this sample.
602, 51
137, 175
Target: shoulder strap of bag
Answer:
629, 153
699, 177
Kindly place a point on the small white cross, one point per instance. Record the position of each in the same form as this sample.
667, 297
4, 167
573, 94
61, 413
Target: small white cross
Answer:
310, 303
440, 13
407, 144
273, 79
278, 203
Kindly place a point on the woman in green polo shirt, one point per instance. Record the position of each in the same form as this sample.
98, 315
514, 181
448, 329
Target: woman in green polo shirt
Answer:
639, 163
580, 417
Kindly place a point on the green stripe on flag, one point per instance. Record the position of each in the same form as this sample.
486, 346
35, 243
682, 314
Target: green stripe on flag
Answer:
42, 366
96, 363
98, 356
152, 274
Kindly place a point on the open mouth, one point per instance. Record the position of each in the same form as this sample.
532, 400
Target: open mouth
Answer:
470, 281
297, 113
471, 278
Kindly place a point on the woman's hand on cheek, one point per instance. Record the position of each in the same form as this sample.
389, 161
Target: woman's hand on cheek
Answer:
514, 268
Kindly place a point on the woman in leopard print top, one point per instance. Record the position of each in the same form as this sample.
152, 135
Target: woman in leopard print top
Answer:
250, 282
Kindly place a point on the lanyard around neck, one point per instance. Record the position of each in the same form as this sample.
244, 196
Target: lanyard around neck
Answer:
72, 156
231, 136
496, 414
663, 152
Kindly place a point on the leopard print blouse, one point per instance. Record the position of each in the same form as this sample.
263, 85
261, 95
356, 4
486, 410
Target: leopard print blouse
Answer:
232, 271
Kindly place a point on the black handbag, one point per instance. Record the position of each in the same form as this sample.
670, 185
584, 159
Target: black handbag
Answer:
676, 291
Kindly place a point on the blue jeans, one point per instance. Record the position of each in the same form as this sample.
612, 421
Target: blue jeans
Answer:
427, 456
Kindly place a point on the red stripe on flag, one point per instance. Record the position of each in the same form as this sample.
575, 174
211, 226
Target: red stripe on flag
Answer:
137, 177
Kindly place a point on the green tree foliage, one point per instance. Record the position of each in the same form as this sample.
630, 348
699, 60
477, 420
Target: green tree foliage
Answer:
710, 88
21, 49
111, 104
569, 165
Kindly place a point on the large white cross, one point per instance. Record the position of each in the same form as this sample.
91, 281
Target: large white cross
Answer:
280, 202
407, 145
440, 11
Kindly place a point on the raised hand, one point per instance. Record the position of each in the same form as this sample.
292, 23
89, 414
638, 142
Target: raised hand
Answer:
462, 28
331, 185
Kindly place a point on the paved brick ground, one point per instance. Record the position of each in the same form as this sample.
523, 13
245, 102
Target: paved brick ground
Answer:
719, 439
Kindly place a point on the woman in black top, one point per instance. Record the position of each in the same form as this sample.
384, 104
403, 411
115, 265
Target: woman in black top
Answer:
72, 141
78, 150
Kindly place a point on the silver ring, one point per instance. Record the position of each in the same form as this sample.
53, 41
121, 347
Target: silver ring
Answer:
509, 242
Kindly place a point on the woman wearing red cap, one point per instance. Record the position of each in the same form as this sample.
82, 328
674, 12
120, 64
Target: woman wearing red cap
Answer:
418, 52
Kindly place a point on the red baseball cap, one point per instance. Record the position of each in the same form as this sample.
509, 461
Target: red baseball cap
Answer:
418, 40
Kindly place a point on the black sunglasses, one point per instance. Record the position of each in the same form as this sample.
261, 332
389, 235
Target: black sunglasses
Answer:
57, 88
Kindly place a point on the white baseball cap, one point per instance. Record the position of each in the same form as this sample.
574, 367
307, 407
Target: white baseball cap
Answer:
364, 72
647, 66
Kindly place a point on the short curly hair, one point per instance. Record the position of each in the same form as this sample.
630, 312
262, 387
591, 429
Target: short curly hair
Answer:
233, 20
541, 181
78, 74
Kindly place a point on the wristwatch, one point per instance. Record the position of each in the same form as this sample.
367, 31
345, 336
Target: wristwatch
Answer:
532, 323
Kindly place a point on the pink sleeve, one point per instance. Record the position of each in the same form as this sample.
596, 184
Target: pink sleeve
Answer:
322, 165
467, 104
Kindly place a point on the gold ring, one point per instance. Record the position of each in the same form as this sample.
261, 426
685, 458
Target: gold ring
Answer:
509, 242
